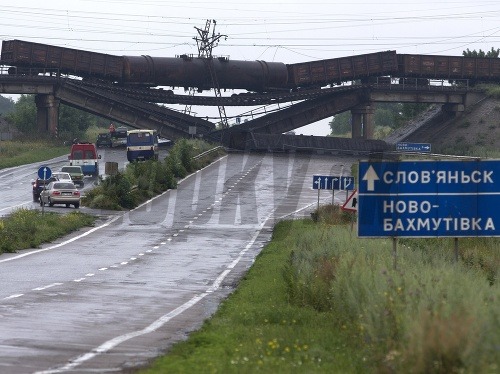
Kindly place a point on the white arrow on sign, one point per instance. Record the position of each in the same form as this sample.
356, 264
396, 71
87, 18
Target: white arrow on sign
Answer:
371, 176
318, 182
347, 183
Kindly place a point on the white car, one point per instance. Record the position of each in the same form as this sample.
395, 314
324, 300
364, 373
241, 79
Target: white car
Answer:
62, 176
60, 193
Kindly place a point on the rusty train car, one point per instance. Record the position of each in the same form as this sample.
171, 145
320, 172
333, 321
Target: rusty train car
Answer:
485, 69
259, 76
188, 71
36, 56
338, 70
183, 71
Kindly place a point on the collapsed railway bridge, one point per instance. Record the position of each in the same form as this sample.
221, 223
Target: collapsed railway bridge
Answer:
124, 89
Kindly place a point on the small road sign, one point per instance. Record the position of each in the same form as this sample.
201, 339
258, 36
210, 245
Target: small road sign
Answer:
326, 182
413, 147
44, 172
429, 198
351, 203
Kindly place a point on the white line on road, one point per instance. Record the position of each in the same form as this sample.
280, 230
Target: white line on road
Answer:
13, 296
110, 344
47, 286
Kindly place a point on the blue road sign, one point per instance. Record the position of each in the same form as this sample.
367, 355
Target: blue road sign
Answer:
44, 172
327, 182
413, 147
429, 199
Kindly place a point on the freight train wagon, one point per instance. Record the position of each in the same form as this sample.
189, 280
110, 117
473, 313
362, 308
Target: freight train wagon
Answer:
183, 71
338, 70
449, 67
85, 64
188, 71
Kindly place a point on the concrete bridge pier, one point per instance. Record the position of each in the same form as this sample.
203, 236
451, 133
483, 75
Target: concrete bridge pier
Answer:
47, 113
362, 122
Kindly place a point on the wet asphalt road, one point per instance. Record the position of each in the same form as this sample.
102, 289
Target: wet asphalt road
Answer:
115, 296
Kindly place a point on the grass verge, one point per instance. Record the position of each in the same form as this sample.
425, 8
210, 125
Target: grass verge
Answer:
320, 300
29, 228
15, 153
257, 329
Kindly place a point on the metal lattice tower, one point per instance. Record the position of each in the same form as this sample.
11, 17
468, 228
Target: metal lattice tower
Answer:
206, 42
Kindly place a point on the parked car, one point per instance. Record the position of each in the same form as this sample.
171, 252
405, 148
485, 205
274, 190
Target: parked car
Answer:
62, 176
38, 185
119, 137
60, 193
76, 174
103, 140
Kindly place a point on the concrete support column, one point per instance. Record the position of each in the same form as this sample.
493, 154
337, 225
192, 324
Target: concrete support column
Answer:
368, 123
362, 122
47, 113
356, 124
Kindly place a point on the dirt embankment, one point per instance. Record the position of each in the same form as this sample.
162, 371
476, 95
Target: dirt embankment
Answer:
463, 133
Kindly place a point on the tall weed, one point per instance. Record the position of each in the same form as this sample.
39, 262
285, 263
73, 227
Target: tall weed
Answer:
28, 228
429, 315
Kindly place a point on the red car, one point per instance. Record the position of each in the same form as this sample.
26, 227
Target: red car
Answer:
38, 185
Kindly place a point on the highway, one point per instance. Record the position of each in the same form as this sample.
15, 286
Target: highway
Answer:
114, 296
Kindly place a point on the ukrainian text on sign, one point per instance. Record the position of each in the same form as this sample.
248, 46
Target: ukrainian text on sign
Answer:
429, 198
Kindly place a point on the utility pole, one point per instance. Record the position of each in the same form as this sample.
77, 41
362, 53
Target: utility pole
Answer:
206, 42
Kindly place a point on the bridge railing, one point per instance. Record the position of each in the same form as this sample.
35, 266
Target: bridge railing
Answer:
22, 71
420, 84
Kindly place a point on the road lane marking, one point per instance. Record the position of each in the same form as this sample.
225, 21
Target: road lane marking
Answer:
13, 296
47, 286
155, 325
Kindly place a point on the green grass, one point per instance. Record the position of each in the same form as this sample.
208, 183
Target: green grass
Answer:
29, 228
15, 153
320, 300
258, 330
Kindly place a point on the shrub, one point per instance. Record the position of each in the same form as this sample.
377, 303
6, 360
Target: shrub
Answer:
141, 181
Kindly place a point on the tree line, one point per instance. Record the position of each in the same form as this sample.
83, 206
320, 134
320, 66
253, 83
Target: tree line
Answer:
73, 123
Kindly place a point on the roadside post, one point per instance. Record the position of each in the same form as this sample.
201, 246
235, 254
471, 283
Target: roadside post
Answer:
44, 173
351, 205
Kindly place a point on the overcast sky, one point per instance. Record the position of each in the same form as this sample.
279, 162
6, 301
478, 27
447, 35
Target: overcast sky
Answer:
288, 31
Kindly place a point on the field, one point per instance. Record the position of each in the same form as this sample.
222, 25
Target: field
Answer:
14, 153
